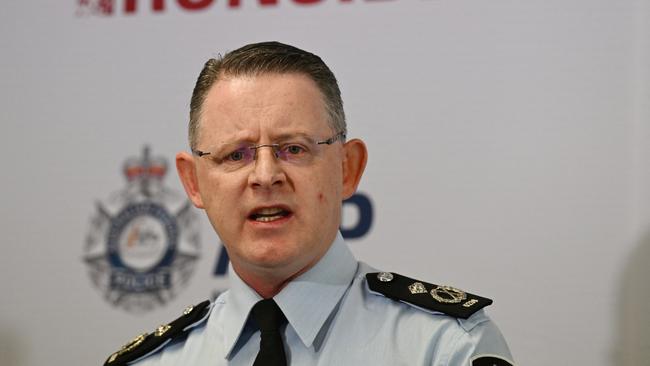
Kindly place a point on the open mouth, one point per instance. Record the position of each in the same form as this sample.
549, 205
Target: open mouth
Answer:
269, 214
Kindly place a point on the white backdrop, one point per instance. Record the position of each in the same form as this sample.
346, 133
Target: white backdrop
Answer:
509, 156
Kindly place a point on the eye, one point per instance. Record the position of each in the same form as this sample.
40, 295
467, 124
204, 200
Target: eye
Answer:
236, 155
294, 149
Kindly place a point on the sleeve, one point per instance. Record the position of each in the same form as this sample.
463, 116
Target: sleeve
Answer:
479, 343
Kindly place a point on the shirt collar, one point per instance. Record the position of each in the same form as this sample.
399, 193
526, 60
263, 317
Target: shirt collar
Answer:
307, 301
239, 301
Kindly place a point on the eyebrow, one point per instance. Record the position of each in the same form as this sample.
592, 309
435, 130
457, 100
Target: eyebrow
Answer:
283, 137
287, 136
275, 138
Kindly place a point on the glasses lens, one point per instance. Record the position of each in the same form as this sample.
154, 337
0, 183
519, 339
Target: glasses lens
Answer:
232, 157
297, 152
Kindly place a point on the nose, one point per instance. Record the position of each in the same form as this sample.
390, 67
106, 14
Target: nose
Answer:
267, 171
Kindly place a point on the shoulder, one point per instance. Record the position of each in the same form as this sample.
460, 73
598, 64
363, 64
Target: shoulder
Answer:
149, 343
469, 336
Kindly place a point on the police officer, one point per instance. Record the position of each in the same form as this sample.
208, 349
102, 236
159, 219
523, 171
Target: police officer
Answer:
270, 164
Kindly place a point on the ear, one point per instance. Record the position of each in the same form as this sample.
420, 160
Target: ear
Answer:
354, 163
186, 167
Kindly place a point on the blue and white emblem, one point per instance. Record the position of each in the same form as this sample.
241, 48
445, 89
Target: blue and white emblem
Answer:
143, 242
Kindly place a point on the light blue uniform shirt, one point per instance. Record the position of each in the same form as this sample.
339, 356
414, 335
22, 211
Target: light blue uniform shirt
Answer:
334, 319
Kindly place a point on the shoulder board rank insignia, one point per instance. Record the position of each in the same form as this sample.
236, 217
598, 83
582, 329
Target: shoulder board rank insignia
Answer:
148, 343
445, 299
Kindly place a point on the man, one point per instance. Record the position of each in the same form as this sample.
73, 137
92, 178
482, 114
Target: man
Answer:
270, 165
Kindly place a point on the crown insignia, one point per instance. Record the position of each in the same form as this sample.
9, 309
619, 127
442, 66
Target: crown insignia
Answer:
145, 167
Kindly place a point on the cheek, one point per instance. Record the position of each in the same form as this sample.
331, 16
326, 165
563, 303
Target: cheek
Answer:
218, 194
326, 190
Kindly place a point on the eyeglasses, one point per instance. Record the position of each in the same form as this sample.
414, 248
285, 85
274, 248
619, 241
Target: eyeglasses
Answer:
294, 149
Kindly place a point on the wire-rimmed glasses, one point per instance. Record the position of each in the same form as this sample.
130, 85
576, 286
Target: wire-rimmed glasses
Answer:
296, 149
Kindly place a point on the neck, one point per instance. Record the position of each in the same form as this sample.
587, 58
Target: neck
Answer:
266, 289
267, 283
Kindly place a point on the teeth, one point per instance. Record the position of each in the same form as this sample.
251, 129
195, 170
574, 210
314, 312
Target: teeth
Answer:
268, 218
269, 211
269, 214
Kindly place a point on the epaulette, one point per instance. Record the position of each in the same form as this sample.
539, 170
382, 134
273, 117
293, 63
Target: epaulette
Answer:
443, 299
149, 343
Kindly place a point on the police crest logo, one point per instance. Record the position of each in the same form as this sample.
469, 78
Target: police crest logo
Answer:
143, 241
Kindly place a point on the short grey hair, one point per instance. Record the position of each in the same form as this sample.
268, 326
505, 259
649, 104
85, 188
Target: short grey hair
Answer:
268, 57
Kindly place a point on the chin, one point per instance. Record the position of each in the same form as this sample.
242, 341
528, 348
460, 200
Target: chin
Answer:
272, 256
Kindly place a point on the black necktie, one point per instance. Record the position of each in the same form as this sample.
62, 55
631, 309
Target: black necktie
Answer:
269, 318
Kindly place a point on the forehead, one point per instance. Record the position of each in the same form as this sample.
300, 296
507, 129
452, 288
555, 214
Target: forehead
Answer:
253, 106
